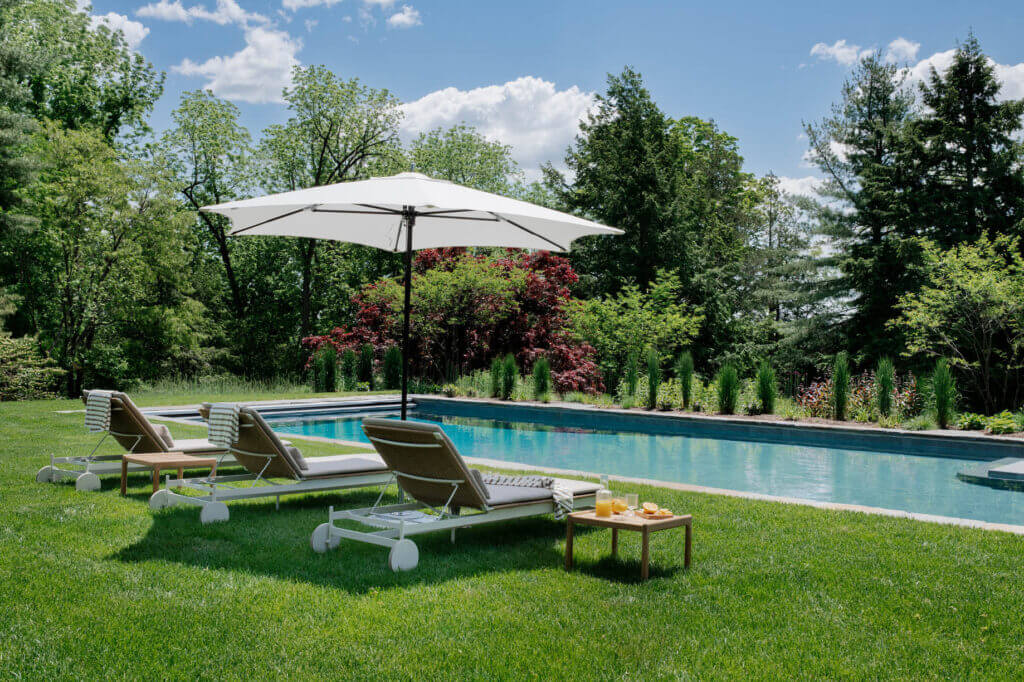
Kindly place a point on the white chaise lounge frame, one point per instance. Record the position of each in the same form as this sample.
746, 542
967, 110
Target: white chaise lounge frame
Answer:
217, 491
397, 525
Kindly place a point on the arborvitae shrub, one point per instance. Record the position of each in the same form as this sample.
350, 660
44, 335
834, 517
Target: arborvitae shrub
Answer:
684, 372
393, 368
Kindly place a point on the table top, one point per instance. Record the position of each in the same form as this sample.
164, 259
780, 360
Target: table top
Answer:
629, 521
169, 459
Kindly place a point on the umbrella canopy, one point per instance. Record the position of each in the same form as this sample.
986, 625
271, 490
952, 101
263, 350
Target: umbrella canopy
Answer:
405, 213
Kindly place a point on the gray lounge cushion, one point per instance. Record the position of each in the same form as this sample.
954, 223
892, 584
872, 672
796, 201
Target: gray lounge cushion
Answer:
165, 435
499, 495
196, 445
340, 465
478, 477
296, 454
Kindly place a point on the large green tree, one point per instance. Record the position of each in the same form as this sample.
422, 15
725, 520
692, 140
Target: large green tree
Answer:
967, 154
464, 156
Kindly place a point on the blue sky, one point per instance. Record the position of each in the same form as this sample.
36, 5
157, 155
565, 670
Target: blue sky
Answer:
524, 72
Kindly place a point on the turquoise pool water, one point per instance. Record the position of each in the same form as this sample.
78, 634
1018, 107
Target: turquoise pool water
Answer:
906, 482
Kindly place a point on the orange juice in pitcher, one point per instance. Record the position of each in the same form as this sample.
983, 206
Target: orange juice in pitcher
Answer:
603, 505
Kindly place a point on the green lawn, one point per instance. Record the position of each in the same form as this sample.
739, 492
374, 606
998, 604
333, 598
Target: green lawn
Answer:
93, 585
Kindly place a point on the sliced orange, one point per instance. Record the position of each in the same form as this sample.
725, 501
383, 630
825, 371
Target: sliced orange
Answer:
649, 507
663, 512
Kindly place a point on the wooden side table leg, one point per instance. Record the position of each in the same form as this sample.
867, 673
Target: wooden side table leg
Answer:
568, 545
645, 554
689, 545
181, 473
124, 477
615, 542
156, 478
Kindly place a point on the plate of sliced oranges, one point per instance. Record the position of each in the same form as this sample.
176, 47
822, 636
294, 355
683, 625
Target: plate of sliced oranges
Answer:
649, 510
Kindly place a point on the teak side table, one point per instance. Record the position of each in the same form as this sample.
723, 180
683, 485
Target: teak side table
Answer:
629, 521
158, 461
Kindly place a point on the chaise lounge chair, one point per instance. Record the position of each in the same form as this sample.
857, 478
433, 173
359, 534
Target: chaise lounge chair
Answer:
430, 469
265, 456
133, 430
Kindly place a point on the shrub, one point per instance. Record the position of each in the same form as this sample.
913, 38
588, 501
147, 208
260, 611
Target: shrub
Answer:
767, 389
364, 369
324, 374
840, 386
816, 399
393, 368
25, 371
541, 379
497, 372
632, 374
669, 395
944, 392
885, 384
509, 374
684, 372
728, 382
348, 370
921, 422
1001, 423
653, 378
450, 390
970, 421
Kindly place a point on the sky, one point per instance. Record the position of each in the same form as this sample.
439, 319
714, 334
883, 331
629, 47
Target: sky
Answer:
526, 72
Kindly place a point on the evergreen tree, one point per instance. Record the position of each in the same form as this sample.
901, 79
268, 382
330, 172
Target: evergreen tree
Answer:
970, 180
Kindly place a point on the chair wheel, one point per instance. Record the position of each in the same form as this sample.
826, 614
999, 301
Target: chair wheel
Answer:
213, 512
321, 539
404, 556
46, 475
87, 481
159, 499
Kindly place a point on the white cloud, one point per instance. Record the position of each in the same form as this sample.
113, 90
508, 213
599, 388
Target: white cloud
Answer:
901, 50
226, 12
1011, 76
311, 24
133, 31
804, 186
383, 4
840, 51
407, 18
299, 4
530, 114
256, 73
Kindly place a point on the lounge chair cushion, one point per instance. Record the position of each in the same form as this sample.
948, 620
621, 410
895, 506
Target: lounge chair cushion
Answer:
296, 454
341, 465
500, 495
479, 478
191, 446
165, 435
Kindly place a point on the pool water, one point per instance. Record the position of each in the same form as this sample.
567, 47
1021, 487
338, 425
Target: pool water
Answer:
906, 482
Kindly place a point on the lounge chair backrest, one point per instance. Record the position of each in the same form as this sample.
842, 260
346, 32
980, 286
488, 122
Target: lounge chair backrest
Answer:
129, 426
256, 441
424, 451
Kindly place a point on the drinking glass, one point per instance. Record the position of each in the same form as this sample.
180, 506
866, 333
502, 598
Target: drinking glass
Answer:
632, 501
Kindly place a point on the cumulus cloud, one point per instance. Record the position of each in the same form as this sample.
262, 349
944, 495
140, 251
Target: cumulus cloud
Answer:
901, 50
1011, 76
226, 12
133, 31
256, 73
805, 186
530, 114
842, 52
407, 18
293, 5
383, 4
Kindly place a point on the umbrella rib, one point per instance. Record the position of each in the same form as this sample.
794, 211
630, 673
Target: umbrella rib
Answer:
264, 222
457, 217
529, 231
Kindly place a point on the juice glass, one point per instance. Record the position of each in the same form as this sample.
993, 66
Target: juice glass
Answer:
619, 504
632, 501
603, 505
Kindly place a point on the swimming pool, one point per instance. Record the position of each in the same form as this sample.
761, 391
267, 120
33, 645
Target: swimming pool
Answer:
915, 483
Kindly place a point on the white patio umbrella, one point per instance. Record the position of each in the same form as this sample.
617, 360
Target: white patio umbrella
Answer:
405, 213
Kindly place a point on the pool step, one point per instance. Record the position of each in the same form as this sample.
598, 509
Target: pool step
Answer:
1006, 473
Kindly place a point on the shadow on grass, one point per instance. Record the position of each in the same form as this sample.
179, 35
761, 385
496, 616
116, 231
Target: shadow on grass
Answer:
275, 543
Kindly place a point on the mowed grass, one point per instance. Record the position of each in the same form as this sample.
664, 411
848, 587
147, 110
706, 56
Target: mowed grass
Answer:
93, 585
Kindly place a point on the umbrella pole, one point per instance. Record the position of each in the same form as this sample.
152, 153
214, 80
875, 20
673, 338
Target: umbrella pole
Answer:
410, 220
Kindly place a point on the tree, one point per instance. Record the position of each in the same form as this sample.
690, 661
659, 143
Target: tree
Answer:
969, 178
339, 130
464, 156
625, 162
971, 310
862, 209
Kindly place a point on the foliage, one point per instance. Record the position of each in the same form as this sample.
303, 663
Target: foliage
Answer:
767, 388
541, 379
943, 392
840, 386
971, 310
684, 374
509, 374
25, 372
971, 421
1001, 423
885, 384
616, 326
653, 377
669, 395
728, 384
364, 368
324, 370
464, 156
632, 376
497, 372
349, 372
922, 422
393, 368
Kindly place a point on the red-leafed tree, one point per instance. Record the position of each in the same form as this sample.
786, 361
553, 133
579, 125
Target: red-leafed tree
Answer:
468, 308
